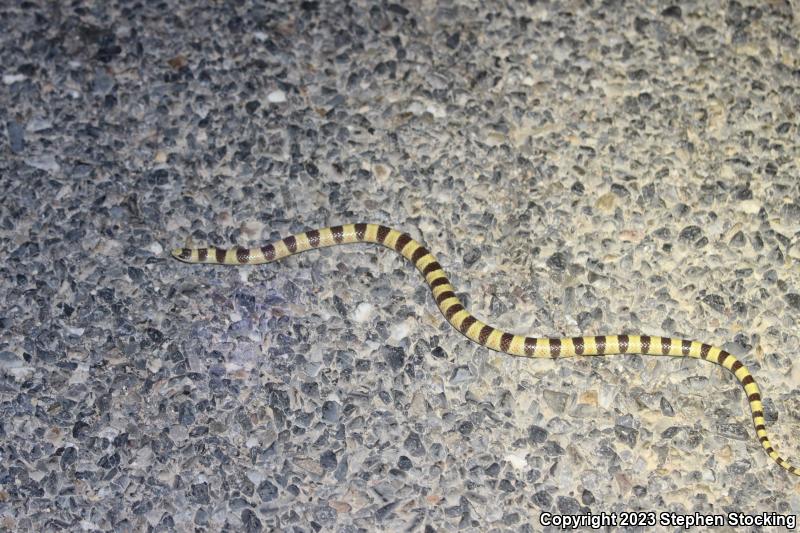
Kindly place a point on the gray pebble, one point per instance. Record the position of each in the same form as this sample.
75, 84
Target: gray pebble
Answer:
16, 136
460, 374
267, 491
330, 411
45, 162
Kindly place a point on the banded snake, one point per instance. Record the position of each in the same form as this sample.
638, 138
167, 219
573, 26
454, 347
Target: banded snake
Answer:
484, 334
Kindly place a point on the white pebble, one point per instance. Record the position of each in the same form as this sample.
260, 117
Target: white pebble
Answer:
38, 124
276, 97
400, 331
8, 79
75, 332
517, 461
438, 111
363, 312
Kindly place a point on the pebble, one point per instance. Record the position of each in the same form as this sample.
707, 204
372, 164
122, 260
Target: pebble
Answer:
364, 312
46, 162
276, 97
16, 136
37, 124
9, 79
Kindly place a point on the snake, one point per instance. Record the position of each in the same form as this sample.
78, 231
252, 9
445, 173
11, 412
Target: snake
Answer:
484, 334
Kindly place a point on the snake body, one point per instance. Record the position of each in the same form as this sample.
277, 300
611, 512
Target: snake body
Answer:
484, 334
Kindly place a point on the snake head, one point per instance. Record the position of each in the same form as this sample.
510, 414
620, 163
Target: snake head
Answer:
182, 254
